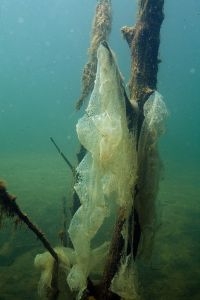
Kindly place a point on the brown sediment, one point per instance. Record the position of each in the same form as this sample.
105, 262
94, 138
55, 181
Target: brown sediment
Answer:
100, 31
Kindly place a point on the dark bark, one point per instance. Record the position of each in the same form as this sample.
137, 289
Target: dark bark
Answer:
144, 41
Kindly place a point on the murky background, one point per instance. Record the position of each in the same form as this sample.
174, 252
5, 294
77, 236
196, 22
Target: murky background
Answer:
43, 48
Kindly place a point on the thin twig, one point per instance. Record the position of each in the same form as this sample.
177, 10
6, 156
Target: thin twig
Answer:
63, 156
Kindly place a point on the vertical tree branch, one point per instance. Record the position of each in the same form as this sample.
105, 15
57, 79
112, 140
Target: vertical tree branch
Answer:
144, 40
100, 31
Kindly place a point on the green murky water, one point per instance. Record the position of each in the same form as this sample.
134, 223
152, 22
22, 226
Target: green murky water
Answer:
42, 51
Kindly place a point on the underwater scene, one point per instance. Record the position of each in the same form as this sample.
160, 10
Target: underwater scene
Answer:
99, 149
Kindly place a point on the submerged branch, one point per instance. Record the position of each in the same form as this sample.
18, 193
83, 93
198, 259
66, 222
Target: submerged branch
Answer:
114, 256
10, 208
63, 156
100, 31
143, 40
